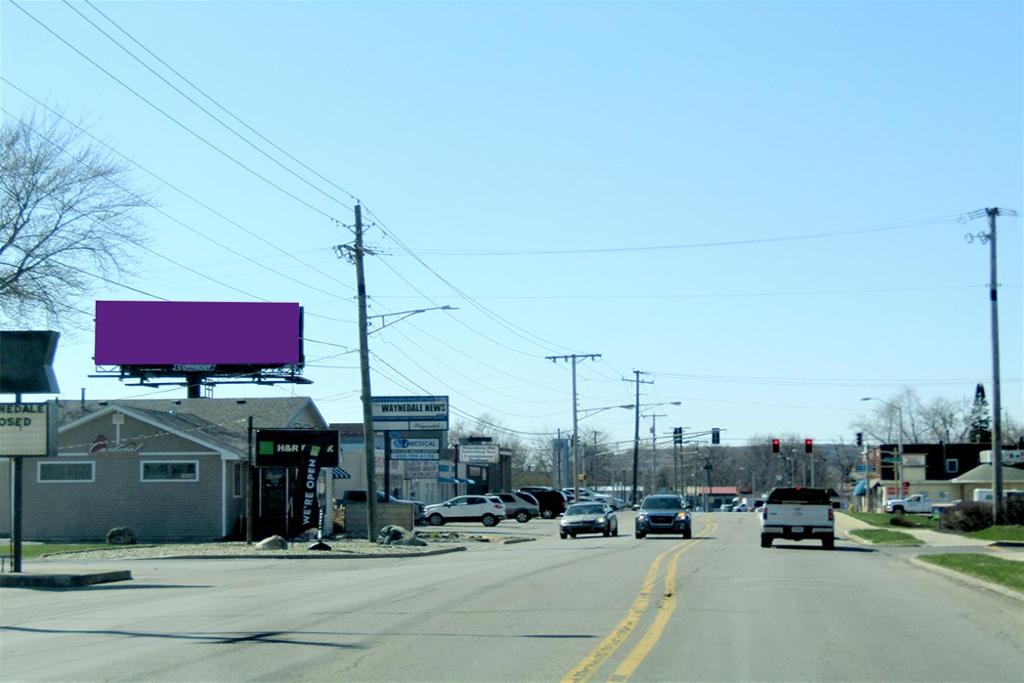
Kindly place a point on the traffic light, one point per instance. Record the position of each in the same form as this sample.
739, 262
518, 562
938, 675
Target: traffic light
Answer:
808, 445
715, 439
860, 438
677, 436
776, 446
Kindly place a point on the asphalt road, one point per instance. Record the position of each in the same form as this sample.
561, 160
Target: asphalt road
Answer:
717, 607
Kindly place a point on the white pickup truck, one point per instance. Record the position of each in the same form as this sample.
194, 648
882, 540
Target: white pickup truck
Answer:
915, 503
798, 514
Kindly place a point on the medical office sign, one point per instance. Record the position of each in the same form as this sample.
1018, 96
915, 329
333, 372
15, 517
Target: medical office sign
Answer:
27, 429
409, 413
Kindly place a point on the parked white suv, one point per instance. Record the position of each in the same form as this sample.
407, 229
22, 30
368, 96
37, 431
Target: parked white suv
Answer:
488, 510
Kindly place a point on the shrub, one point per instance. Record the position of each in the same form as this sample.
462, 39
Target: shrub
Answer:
968, 517
904, 521
1015, 510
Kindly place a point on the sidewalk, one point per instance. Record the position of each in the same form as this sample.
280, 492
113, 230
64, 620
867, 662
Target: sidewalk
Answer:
935, 539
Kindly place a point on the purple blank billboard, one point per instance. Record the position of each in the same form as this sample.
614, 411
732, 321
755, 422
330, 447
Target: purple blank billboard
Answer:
162, 333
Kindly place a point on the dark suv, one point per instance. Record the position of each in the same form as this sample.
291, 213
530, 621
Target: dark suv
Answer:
663, 513
550, 500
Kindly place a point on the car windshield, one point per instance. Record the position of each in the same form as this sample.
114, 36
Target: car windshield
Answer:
662, 503
585, 510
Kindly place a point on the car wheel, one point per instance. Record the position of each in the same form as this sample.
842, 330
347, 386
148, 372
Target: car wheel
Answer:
522, 516
615, 530
766, 541
436, 519
573, 534
563, 535
489, 520
640, 535
828, 543
547, 514
688, 533
606, 533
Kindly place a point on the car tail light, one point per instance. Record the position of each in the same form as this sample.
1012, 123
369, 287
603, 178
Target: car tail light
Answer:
831, 515
764, 512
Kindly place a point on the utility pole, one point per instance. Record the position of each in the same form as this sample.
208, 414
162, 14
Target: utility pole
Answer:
364, 373
575, 357
654, 446
998, 507
636, 428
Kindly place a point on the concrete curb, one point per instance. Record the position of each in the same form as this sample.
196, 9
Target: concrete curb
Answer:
61, 581
318, 556
968, 579
513, 541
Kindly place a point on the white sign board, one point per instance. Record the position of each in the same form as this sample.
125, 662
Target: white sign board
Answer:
421, 469
479, 453
1008, 457
409, 413
26, 429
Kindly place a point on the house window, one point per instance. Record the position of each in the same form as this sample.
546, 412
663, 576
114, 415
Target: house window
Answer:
166, 470
236, 480
952, 466
66, 472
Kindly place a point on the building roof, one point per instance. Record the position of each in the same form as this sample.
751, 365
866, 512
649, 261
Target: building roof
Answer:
221, 421
982, 474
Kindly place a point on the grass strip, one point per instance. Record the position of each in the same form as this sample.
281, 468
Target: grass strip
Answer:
885, 536
1008, 573
884, 520
35, 550
1007, 532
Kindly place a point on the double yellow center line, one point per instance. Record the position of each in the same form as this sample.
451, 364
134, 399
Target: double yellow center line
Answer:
590, 664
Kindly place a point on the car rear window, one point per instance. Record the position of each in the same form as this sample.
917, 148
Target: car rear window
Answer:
662, 503
799, 496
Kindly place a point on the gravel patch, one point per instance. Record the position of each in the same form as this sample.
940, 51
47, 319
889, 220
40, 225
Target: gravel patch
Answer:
340, 548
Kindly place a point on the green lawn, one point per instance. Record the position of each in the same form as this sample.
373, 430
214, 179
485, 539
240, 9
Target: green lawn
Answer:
886, 536
1009, 532
1009, 573
882, 519
33, 550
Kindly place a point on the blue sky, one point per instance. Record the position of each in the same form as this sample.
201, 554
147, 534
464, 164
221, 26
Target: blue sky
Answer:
759, 204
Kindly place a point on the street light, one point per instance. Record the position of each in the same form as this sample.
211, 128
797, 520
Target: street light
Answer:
583, 413
899, 441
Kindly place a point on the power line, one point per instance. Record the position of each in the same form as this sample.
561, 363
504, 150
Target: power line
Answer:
172, 118
222, 107
698, 245
197, 105
199, 233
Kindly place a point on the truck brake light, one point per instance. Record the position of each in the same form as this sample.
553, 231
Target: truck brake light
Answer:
831, 515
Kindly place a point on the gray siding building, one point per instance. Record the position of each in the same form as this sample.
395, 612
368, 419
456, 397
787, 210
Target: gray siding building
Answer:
171, 470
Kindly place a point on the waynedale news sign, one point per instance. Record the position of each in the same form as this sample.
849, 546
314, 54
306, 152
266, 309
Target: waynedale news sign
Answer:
28, 429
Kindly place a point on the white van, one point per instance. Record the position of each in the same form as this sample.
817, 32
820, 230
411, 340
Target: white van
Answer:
986, 495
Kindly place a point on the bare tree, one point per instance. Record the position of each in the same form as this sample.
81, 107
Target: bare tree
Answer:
67, 213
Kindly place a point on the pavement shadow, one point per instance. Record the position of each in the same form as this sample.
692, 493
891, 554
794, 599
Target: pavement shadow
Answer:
837, 549
269, 637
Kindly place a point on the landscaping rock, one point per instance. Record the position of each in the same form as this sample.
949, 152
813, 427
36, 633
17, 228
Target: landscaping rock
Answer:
396, 535
120, 535
272, 543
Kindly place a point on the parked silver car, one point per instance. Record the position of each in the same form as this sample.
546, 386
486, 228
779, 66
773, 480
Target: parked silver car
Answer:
519, 506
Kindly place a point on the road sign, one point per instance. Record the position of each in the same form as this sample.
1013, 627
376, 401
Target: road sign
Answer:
862, 468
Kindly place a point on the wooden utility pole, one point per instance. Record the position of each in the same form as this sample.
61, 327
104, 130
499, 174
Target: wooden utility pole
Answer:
364, 372
998, 503
636, 429
575, 357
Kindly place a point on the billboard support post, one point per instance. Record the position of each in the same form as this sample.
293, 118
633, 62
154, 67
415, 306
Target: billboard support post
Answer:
247, 483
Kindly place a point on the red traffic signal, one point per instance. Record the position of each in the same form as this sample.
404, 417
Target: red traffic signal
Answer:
808, 445
776, 445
